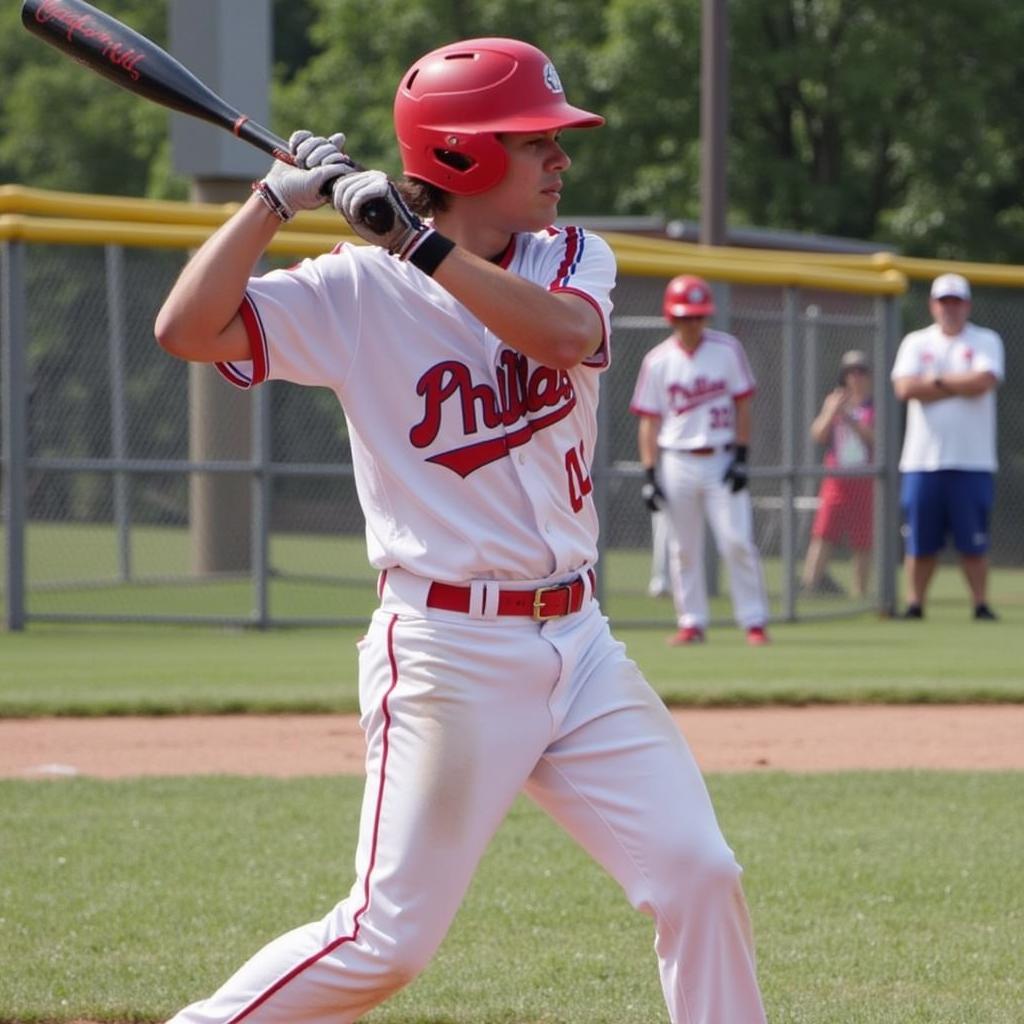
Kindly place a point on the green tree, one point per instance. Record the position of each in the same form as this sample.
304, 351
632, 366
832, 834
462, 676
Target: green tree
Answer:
879, 120
893, 122
64, 128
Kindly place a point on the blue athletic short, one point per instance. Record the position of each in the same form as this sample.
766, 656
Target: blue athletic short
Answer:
956, 501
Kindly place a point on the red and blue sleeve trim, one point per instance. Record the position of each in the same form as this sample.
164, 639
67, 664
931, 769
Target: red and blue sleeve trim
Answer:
575, 241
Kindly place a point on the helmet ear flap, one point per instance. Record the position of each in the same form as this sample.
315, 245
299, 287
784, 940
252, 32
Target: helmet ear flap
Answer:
464, 163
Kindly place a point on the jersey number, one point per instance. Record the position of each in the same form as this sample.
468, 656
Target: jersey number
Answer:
721, 417
579, 479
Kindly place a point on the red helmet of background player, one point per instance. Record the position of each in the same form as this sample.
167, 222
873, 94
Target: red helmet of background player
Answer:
687, 295
451, 103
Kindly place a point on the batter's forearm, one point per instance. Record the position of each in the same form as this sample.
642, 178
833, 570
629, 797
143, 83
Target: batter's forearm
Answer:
559, 331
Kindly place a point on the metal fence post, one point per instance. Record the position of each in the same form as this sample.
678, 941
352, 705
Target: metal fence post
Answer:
114, 258
13, 343
721, 321
809, 405
887, 453
262, 484
791, 371
600, 475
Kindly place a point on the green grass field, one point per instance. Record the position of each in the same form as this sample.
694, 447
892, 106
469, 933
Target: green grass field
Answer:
90, 670
73, 570
876, 898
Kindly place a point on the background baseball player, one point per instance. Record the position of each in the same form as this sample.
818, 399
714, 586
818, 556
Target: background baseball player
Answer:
466, 352
693, 399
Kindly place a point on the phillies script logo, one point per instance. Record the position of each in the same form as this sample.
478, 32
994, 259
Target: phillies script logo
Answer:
112, 49
520, 395
682, 398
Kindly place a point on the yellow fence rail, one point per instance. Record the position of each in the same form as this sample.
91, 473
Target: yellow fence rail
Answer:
38, 215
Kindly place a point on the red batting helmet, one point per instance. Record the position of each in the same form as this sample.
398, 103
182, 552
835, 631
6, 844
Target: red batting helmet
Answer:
687, 295
455, 99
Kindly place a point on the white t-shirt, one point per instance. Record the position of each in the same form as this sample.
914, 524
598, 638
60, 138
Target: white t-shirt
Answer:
694, 393
471, 461
956, 432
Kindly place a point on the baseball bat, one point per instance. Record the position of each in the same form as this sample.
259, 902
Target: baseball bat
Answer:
133, 62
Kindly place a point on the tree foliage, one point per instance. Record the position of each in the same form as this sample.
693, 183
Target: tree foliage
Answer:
892, 122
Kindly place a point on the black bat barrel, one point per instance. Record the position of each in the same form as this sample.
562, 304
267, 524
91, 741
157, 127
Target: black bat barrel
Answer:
135, 63
128, 59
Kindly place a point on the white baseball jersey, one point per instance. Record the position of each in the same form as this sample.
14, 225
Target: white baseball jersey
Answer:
956, 432
694, 393
471, 461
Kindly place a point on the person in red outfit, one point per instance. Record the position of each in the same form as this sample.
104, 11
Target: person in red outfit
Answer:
846, 425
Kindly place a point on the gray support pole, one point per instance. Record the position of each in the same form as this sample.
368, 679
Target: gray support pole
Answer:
809, 405
228, 45
790, 374
13, 341
262, 489
114, 256
722, 321
600, 464
219, 503
887, 454
714, 120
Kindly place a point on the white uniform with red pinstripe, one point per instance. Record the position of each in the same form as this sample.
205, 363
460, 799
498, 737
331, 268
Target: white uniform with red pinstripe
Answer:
471, 463
694, 395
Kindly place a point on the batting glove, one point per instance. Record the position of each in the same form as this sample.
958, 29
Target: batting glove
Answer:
406, 236
651, 493
318, 161
737, 473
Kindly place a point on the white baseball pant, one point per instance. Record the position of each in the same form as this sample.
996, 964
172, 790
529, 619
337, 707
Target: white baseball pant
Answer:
694, 492
461, 713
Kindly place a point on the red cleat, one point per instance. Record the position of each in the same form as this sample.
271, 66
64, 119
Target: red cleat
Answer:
757, 637
687, 635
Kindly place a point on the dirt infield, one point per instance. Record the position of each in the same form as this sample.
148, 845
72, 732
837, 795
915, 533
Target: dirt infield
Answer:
818, 738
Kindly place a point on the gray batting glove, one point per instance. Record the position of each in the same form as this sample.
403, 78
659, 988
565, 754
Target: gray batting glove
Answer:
350, 198
318, 161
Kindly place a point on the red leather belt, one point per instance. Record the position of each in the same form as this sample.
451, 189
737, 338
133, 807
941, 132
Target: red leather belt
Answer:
542, 603
707, 451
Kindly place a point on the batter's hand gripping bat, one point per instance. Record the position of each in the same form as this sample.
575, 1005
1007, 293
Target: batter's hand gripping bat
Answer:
130, 60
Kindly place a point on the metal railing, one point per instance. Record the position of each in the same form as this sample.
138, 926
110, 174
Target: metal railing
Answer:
98, 462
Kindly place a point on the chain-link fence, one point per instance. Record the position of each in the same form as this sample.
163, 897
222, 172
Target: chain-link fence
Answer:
139, 488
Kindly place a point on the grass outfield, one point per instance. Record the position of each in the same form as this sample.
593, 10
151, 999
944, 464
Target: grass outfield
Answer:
91, 670
72, 570
876, 898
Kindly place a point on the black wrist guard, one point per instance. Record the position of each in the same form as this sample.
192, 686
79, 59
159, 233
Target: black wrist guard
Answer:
430, 252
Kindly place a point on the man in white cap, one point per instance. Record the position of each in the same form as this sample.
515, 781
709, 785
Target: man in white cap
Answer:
947, 374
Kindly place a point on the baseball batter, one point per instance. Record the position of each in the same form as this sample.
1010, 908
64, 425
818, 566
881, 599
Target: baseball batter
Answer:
466, 346
693, 399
